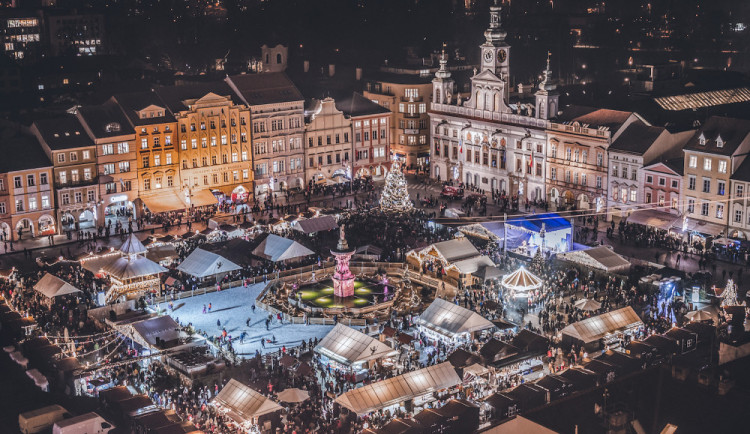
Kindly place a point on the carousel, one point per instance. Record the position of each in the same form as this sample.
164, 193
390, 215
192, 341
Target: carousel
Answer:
129, 271
521, 282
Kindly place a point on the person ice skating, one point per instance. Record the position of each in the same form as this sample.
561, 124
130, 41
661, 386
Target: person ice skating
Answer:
209, 307
263, 343
273, 339
253, 307
218, 323
247, 323
268, 321
204, 308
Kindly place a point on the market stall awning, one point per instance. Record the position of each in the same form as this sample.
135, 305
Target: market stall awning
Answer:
164, 327
450, 319
52, 286
654, 218
381, 394
202, 263
242, 403
203, 198
596, 327
348, 346
316, 224
452, 250
275, 248
164, 202
471, 265
126, 268
699, 226
600, 258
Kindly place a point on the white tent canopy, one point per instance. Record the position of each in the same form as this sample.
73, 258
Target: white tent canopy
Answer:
449, 319
521, 280
601, 258
52, 286
315, 224
596, 327
348, 346
654, 218
276, 248
163, 327
202, 263
468, 266
242, 403
454, 250
381, 394
132, 245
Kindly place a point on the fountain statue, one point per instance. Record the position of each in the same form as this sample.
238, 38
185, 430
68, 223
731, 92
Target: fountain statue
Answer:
343, 279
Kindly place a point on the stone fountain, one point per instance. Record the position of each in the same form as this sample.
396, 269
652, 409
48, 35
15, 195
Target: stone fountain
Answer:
343, 279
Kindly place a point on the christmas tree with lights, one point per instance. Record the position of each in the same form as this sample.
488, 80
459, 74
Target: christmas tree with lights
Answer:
729, 296
395, 196
537, 263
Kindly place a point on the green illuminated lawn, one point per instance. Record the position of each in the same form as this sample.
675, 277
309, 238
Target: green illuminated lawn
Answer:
321, 294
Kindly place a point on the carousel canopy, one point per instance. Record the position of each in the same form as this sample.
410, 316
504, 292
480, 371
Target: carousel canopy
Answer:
381, 394
242, 403
601, 258
450, 319
52, 286
348, 346
202, 263
596, 327
316, 224
132, 245
275, 248
522, 280
124, 268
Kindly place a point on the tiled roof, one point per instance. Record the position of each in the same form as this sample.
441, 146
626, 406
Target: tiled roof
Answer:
637, 138
743, 172
176, 97
358, 105
106, 120
595, 117
24, 147
63, 133
731, 131
132, 102
267, 88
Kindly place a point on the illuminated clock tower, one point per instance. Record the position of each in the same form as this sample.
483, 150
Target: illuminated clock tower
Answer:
495, 51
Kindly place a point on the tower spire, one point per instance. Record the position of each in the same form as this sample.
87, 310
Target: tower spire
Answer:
495, 32
443, 72
547, 83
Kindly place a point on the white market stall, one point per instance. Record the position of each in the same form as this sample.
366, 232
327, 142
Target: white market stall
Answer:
607, 327
52, 286
277, 249
202, 264
449, 321
600, 258
246, 407
353, 349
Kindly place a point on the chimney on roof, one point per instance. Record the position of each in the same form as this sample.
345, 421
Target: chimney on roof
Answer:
331, 70
358, 74
306, 66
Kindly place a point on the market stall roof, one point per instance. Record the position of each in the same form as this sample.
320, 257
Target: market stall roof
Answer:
496, 350
471, 265
132, 245
596, 327
533, 223
52, 286
276, 248
394, 390
202, 263
160, 253
453, 250
397, 426
487, 272
369, 249
163, 327
243, 403
519, 425
522, 280
485, 230
348, 346
236, 250
203, 198
601, 258
450, 319
165, 202
654, 218
315, 224
699, 226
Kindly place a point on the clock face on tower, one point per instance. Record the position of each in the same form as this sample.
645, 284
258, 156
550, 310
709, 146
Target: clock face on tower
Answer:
488, 56
502, 55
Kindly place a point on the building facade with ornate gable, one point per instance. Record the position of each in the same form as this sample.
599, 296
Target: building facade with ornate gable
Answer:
328, 143
488, 141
